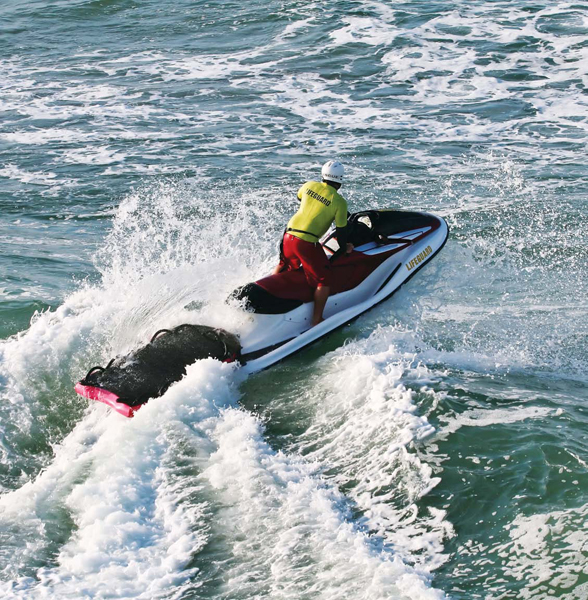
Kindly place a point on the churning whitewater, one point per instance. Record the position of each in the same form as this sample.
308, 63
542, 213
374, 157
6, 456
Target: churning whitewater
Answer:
433, 448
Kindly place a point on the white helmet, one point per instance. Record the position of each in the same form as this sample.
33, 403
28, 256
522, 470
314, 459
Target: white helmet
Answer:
333, 171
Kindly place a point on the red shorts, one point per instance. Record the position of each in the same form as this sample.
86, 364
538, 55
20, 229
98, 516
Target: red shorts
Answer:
311, 257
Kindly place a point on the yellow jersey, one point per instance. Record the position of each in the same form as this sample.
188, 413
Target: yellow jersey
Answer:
320, 205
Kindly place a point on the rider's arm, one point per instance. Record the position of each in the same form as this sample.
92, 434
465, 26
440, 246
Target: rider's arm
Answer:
300, 192
341, 225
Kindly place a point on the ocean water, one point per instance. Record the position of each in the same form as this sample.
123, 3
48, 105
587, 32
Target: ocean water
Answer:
150, 153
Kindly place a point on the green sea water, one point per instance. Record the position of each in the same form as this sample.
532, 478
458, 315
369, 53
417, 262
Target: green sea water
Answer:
150, 154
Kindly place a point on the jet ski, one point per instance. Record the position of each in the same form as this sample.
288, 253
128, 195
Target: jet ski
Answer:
390, 246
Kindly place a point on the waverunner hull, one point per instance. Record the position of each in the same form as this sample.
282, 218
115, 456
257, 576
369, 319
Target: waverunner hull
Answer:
275, 337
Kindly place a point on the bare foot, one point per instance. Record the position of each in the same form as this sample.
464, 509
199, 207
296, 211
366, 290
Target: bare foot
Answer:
316, 323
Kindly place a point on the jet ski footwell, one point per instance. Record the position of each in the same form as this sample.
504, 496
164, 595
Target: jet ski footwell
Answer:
390, 247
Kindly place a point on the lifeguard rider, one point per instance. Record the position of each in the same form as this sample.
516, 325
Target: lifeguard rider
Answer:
320, 205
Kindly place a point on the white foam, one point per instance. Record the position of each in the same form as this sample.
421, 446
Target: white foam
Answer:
487, 418
436, 69
365, 429
291, 30
141, 518
138, 515
14, 172
548, 551
96, 155
296, 534
364, 30
45, 136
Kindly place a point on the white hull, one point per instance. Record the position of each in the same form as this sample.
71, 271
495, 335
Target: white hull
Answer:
272, 338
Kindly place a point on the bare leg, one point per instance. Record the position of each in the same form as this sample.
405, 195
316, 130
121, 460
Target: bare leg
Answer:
321, 296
